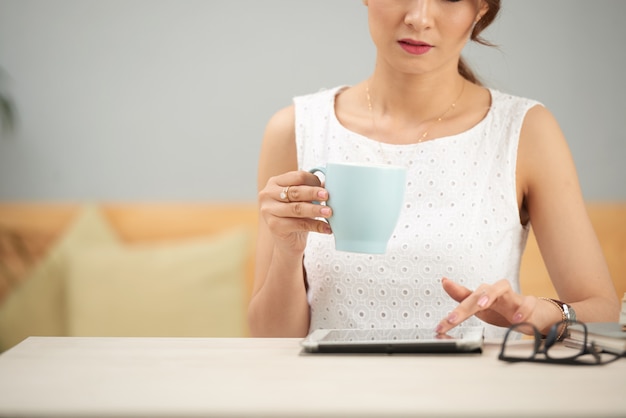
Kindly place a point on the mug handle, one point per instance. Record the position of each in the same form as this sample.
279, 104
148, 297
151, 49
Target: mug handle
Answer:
316, 170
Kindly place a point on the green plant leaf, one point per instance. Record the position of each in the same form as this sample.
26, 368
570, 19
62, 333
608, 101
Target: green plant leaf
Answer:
7, 115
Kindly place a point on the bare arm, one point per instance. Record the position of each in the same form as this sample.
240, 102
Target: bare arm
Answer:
557, 210
550, 196
279, 306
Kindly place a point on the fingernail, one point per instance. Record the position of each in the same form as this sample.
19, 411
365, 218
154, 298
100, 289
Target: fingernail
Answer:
451, 318
325, 211
439, 329
482, 302
517, 317
322, 194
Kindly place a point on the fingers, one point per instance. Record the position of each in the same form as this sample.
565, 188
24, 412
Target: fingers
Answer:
301, 193
455, 290
297, 191
525, 309
296, 186
297, 178
495, 303
290, 203
283, 226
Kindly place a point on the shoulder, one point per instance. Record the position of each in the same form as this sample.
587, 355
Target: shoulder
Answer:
281, 125
533, 122
542, 146
310, 106
540, 128
280, 128
537, 121
508, 104
280, 131
544, 154
278, 150
321, 95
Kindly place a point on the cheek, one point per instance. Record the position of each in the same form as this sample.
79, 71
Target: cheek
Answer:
457, 19
383, 20
464, 19
459, 27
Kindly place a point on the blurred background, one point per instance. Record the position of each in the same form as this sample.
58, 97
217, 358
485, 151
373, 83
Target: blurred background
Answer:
128, 103
133, 100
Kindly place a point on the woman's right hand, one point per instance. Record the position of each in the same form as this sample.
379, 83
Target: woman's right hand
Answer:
286, 205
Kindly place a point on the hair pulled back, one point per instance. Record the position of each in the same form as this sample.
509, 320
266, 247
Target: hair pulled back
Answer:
481, 25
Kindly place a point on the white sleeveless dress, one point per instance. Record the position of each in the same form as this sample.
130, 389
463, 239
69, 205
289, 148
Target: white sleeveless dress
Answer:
460, 219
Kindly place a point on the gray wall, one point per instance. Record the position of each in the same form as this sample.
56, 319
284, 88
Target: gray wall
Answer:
168, 99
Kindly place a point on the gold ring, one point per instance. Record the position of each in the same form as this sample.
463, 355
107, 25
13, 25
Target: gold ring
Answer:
284, 195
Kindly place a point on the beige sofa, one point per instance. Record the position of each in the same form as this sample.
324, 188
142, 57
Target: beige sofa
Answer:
159, 269
126, 270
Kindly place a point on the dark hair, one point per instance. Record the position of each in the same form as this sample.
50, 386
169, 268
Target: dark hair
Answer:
482, 24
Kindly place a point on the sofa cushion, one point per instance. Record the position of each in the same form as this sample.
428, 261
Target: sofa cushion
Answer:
37, 305
192, 287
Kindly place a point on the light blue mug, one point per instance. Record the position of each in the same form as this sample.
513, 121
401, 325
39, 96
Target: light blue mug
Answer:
366, 201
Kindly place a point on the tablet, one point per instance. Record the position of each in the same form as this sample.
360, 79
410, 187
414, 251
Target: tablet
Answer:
457, 340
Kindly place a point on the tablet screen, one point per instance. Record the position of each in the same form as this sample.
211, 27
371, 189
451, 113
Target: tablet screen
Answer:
460, 339
388, 335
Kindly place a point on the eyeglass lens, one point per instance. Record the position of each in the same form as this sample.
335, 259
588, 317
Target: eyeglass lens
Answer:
524, 341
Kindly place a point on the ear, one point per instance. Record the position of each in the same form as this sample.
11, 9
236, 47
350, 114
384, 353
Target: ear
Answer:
482, 10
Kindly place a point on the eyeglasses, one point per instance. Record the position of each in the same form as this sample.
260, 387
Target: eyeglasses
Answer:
545, 350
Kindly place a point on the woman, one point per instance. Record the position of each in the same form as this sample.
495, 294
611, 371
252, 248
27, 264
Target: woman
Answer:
482, 165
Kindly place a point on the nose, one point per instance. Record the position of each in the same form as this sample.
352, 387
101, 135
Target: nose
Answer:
419, 14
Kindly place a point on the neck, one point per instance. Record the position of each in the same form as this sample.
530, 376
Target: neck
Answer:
414, 98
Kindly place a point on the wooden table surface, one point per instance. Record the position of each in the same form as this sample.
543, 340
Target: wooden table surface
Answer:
248, 377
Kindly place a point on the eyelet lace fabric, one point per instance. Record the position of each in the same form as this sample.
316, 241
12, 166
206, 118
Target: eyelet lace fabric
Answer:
459, 220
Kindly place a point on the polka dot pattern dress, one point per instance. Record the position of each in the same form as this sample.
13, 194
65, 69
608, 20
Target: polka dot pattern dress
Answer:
459, 220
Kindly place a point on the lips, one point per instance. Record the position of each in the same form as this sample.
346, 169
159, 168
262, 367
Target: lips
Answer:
415, 47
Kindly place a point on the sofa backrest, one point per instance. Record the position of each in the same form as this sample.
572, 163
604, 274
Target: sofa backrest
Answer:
39, 223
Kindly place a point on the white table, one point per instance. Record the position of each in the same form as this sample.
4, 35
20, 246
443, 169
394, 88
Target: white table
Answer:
178, 377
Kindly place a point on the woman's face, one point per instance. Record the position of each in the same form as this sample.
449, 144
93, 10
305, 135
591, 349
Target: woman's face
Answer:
419, 36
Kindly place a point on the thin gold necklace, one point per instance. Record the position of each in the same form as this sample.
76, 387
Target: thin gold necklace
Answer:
425, 134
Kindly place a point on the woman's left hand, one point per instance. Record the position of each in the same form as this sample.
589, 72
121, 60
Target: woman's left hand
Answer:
497, 304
